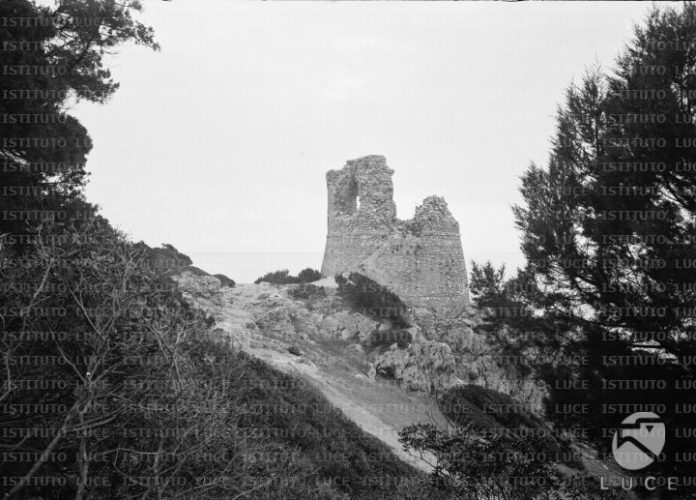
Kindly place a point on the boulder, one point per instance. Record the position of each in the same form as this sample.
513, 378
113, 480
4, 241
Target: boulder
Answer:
198, 286
348, 326
356, 348
424, 366
305, 323
462, 338
328, 327
278, 322
416, 334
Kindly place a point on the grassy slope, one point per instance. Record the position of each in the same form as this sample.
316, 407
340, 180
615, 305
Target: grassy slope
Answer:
296, 417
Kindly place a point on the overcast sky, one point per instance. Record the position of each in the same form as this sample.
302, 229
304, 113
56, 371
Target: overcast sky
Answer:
219, 143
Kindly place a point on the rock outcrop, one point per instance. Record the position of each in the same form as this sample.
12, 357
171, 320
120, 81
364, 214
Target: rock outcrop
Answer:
421, 260
440, 352
198, 286
424, 366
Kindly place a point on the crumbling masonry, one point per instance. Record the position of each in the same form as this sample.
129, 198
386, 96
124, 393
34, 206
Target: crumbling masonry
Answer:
421, 259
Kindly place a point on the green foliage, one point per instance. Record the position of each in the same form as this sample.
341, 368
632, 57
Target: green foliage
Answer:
499, 466
307, 291
53, 55
607, 227
145, 403
486, 284
486, 409
166, 259
308, 275
373, 299
283, 277
488, 412
225, 281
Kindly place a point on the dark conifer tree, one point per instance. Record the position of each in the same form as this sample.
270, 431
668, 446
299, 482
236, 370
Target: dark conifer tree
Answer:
609, 235
52, 55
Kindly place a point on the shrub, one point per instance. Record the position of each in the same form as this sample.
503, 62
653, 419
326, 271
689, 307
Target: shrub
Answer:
165, 260
500, 466
306, 291
308, 275
490, 412
283, 277
373, 299
485, 409
144, 403
140, 395
196, 271
225, 281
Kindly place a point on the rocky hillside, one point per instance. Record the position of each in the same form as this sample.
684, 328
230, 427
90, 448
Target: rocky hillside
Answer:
381, 376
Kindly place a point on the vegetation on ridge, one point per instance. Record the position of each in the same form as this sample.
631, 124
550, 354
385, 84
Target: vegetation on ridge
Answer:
145, 402
373, 299
283, 277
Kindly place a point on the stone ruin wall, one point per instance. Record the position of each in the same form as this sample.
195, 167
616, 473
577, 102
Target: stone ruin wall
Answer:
421, 259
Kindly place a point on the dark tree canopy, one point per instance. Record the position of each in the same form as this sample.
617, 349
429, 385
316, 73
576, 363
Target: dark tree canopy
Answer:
608, 231
53, 56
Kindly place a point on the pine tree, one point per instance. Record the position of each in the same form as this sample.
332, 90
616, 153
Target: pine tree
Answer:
609, 233
52, 55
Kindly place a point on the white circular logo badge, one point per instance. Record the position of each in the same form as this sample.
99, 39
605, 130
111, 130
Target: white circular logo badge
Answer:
639, 440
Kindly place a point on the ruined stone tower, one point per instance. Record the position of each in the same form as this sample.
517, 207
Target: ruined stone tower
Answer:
421, 259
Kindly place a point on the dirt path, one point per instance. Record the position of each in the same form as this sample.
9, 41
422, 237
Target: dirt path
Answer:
379, 408
334, 367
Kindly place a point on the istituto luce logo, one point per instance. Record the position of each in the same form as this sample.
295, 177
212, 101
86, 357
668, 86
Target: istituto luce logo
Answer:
639, 440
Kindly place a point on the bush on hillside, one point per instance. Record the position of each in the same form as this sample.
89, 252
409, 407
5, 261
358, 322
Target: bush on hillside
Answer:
139, 395
225, 281
196, 271
145, 404
485, 409
373, 299
308, 275
307, 291
283, 277
499, 466
490, 412
165, 259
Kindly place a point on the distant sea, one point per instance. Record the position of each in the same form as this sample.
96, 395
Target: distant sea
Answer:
245, 267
